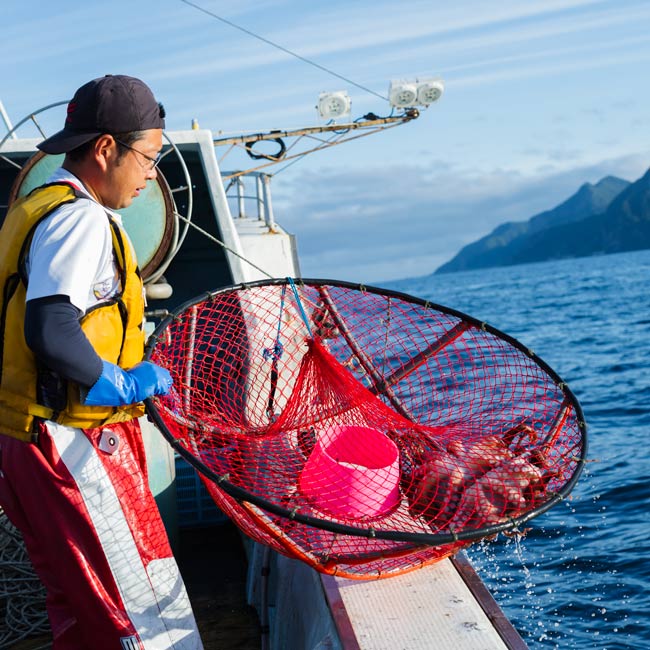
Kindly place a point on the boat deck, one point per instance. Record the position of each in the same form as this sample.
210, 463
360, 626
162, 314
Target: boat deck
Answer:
213, 564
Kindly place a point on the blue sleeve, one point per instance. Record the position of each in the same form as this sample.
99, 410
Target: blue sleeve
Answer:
53, 333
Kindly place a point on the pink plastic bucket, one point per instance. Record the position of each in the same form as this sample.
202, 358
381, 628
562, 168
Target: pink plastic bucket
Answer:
352, 473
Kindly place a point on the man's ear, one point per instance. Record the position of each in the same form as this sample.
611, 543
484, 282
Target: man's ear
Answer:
105, 151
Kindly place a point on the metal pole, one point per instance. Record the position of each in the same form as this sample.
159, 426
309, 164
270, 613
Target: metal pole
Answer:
7, 121
260, 197
240, 197
187, 389
408, 115
270, 221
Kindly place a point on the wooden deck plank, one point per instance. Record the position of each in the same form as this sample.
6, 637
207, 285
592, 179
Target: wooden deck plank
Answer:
429, 608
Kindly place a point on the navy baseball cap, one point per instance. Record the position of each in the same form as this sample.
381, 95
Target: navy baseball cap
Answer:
110, 104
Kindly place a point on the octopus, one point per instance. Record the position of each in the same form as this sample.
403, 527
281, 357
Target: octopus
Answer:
479, 484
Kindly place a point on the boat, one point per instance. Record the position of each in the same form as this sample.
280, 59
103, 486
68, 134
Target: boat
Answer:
195, 231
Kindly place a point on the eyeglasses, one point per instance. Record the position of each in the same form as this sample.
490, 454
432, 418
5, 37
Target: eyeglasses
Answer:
152, 162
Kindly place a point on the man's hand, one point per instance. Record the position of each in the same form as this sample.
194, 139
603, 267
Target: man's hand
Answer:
118, 387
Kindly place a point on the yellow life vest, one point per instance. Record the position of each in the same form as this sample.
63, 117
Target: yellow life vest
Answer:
114, 328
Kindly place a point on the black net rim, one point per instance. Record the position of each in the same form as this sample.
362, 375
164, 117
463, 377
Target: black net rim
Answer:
434, 539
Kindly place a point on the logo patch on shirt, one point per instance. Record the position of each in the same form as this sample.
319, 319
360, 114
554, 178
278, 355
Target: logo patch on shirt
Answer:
102, 290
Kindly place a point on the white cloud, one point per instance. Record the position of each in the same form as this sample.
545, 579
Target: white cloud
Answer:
469, 26
555, 68
386, 223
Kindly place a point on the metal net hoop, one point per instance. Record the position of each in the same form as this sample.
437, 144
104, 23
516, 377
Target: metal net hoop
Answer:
363, 431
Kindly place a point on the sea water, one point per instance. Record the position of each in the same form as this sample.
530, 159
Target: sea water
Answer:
580, 577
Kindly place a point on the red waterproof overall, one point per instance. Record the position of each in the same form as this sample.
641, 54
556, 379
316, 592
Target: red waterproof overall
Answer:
96, 539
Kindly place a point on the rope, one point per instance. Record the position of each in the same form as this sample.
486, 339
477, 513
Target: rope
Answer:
22, 596
223, 245
302, 311
284, 49
275, 354
277, 350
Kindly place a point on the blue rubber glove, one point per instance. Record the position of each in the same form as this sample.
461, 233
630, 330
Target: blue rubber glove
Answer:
118, 387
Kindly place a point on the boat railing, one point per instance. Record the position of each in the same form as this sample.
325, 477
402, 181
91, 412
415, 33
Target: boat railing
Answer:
238, 188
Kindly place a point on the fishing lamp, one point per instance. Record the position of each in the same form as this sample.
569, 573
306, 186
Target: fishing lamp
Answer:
421, 92
429, 91
402, 94
333, 105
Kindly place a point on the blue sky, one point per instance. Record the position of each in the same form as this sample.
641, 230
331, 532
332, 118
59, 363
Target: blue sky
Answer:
541, 96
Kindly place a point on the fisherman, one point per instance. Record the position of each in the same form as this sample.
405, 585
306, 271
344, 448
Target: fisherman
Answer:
73, 477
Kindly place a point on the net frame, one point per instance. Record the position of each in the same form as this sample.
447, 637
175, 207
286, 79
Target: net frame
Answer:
255, 505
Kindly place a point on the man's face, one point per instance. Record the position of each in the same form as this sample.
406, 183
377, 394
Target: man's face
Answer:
127, 176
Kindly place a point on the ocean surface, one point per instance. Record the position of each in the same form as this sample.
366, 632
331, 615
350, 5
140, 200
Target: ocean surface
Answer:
580, 577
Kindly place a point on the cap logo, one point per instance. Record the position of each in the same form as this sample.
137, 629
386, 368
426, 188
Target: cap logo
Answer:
71, 109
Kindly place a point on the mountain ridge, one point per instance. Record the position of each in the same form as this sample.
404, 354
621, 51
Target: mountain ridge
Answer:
577, 227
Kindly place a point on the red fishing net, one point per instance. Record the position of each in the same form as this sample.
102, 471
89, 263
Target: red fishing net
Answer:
363, 431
